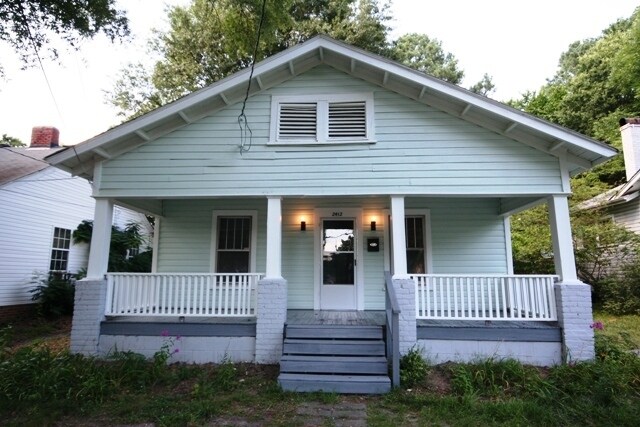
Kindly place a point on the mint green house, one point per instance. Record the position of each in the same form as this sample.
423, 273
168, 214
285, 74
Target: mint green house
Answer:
273, 237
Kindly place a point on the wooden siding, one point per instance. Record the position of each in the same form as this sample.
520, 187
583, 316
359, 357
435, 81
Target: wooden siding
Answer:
627, 215
419, 150
31, 207
467, 237
185, 233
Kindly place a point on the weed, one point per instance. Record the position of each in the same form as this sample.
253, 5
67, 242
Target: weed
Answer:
413, 368
54, 293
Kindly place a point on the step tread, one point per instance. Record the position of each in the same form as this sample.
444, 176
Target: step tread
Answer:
332, 341
335, 378
356, 333
307, 358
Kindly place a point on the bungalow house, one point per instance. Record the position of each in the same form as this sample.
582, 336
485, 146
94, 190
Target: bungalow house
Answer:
40, 206
358, 209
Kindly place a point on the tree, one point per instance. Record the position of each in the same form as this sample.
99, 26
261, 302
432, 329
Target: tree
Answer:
27, 25
120, 248
484, 87
421, 53
208, 41
11, 141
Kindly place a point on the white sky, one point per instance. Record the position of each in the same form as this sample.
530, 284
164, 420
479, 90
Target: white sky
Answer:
518, 43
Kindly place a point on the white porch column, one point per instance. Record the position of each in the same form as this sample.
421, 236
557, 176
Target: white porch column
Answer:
100, 240
398, 238
274, 238
561, 237
573, 298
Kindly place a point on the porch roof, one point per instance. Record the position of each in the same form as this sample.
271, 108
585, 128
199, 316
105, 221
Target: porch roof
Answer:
581, 152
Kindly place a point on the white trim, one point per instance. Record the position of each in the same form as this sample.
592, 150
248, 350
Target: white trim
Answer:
322, 127
398, 236
387, 240
564, 172
347, 213
428, 256
254, 235
560, 223
508, 244
274, 238
155, 245
100, 240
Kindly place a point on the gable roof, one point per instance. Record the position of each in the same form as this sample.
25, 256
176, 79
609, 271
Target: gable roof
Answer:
581, 152
18, 162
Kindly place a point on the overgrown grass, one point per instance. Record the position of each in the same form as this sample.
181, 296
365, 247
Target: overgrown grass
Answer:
42, 387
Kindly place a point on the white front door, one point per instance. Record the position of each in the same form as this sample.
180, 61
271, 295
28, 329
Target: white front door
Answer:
338, 272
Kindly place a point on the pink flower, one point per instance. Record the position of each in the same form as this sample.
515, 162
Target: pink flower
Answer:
177, 350
178, 337
164, 333
597, 325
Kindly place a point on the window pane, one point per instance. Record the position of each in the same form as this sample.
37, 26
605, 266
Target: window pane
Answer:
232, 262
337, 269
415, 261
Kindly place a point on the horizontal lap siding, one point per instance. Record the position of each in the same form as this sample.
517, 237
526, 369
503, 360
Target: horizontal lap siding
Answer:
419, 150
467, 235
185, 233
298, 254
627, 215
31, 208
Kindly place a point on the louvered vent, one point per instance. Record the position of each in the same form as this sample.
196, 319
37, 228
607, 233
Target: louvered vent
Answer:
347, 120
298, 121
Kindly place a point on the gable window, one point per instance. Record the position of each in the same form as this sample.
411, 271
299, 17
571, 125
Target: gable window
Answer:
233, 244
60, 249
316, 119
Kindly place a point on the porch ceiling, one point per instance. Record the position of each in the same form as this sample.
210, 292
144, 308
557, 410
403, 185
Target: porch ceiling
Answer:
581, 152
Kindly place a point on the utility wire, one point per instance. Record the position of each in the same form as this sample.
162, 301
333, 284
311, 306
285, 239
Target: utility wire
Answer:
243, 123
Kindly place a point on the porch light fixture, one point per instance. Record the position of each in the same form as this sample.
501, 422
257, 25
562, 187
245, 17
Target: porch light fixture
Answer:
373, 226
303, 225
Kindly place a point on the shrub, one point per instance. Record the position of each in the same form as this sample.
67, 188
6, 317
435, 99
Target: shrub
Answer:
621, 293
413, 368
54, 294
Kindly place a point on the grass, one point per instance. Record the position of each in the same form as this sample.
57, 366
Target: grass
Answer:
43, 385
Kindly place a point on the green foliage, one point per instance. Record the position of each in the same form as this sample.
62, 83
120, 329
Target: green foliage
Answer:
122, 241
422, 53
484, 87
497, 379
10, 140
413, 368
620, 293
27, 26
208, 41
54, 294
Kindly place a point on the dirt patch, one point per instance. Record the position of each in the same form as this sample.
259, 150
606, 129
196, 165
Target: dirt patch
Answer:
439, 380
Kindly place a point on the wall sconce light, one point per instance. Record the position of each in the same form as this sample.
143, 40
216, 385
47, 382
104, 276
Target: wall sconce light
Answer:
303, 225
373, 226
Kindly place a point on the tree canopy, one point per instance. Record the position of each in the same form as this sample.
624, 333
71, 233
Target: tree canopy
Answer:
209, 40
28, 25
11, 141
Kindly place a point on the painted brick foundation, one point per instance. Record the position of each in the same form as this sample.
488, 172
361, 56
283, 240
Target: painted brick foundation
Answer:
406, 294
575, 318
271, 317
88, 312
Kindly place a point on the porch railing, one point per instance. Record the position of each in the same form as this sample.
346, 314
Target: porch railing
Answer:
392, 310
485, 297
181, 294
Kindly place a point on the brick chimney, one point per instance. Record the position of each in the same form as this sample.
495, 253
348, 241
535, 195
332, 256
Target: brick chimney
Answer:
44, 137
630, 130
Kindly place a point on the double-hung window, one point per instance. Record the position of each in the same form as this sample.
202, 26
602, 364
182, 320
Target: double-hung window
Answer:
415, 235
234, 242
318, 119
60, 249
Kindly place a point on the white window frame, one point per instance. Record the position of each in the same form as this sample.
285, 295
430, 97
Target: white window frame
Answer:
322, 118
426, 214
254, 235
54, 248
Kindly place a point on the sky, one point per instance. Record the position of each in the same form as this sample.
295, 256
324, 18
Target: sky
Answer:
517, 43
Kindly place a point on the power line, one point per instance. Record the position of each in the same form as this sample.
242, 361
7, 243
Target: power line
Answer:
242, 118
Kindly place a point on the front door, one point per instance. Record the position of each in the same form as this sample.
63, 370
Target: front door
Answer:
338, 264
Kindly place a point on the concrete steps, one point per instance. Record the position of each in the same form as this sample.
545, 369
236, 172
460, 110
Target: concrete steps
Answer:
336, 359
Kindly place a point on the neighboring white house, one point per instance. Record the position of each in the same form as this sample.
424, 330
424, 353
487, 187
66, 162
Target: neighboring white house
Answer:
272, 245
40, 206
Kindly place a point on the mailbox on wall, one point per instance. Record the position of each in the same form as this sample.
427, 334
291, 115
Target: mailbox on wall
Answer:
373, 244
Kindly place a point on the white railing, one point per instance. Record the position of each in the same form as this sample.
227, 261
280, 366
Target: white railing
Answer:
181, 294
485, 297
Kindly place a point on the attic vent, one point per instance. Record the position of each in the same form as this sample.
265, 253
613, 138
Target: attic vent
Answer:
298, 121
347, 120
